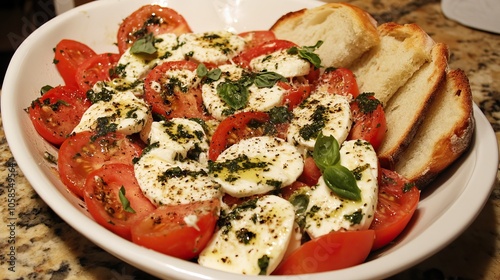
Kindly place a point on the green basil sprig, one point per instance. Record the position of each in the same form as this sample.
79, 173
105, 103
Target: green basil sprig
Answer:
212, 75
267, 79
338, 178
307, 53
234, 94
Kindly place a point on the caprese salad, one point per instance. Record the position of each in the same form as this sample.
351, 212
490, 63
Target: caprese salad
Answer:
241, 152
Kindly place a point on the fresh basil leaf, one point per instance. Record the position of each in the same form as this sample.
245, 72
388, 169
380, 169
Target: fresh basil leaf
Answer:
342, 182
145, 45
234, 94
201, 70
307, 53
326, 151
214, 74
267, 79
125, 202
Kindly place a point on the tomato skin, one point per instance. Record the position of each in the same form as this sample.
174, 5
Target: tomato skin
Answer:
68, 56
295, 94
58, 112
394, 208
173, 102
103, 202
153, 19
338, 81
80, 154
335, 250
166, 231
371, 126
311, 173
232, 129
257, 37
95, 69
244, 58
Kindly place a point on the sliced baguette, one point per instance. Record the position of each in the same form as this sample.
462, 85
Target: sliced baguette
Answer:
406, 109
346, 31
403, 49
444, 134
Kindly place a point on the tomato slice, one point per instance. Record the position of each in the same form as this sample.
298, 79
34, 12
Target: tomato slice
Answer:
102, 197
257, 37
244, 58
68, 56
335, 250
181, 231
296, 93
58, 112
311, 173
172, 100
369, 125
338, 81
95, 69
153, 19
397, 201
81, 154
235, 128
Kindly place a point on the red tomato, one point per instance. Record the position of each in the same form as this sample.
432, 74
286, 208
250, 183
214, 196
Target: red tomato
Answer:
311, 173
370, 126
150, 19
233, 129
81, 154
247, 55
165, 230
397, 201
288, 191
173, 101
257, 37
102, 197
68, 56
95, 69
335, 250
338, 81
295, 94
58, 112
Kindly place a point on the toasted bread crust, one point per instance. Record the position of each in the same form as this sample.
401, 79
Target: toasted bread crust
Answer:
347, 31
444, 135
408, 106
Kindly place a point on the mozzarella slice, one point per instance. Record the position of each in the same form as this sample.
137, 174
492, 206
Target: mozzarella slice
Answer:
177, 139
126, 111
260, 99
257, 165
331, 110
135, 66
252, 238
328, 212
281, 62
171, 183
213, 47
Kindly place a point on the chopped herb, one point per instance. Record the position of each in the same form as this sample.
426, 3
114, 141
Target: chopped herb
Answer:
245, 236
355, 218
50, 157
408, 186
103, 95
104, 126
125, 202
45, 89
263, 263
177, 172
367, 103
312, 130
280, 114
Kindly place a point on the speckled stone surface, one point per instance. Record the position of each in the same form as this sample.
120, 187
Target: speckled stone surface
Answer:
47, 248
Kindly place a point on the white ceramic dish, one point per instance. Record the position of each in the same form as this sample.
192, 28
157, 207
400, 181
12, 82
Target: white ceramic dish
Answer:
447, 207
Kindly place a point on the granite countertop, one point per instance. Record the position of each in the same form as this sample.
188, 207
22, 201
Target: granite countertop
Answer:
47, 248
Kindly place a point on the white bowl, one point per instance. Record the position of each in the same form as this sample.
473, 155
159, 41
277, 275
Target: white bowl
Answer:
447, 207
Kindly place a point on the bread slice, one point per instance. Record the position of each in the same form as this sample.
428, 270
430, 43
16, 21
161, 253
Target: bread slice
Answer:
444, 134
407, 107
403, 49
346, 31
